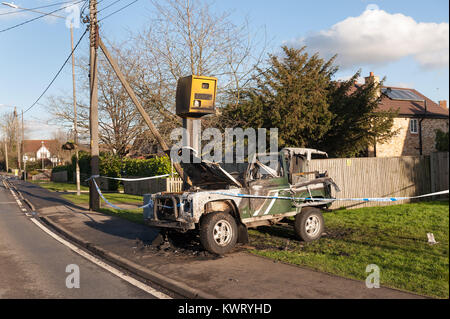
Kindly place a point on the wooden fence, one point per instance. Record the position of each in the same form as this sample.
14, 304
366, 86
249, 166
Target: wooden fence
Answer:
152, 186
439, 171
404, 176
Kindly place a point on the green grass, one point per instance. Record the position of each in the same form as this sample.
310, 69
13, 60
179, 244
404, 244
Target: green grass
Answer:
133, 215
392, 237
114, 198
59, 187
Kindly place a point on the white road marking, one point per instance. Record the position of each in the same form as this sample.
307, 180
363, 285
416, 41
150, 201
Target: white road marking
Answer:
95, 260
105, 266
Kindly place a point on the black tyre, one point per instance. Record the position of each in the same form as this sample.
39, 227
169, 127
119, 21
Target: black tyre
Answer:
218, 232
309, 224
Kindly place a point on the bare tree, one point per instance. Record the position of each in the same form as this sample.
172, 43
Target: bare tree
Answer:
185, 38
10, 130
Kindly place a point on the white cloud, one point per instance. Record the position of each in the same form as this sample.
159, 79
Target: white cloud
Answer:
377, 37
39, 129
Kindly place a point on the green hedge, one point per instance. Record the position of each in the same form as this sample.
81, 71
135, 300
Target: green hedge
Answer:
62, 168
115, 166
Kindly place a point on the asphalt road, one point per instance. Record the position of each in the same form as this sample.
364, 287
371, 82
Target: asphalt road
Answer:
33, 264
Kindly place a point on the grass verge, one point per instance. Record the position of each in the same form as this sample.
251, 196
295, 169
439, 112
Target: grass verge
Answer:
134, 215
392, 237
59, 187
114, 198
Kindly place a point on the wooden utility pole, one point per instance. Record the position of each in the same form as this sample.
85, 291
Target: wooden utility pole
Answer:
6, 156
94, 198
16, 124
75, 124
22, 149
136, 102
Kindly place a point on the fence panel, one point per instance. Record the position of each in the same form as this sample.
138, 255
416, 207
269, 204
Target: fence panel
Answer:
439, 163
376, 177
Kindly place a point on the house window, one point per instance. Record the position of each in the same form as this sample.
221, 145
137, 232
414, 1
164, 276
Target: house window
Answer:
413, 126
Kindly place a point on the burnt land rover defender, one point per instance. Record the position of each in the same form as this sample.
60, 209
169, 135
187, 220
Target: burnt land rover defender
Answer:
221, 205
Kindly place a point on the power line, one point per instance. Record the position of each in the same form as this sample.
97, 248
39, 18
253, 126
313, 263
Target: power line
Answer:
36, 8
59, 71
41, 16
118, 10
108, 6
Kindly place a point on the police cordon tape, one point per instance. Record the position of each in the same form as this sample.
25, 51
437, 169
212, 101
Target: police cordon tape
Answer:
368, 199
93, 177
150, 203
129, 179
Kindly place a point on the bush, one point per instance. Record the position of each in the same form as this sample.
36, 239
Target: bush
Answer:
115, 166
67, 168
441, 141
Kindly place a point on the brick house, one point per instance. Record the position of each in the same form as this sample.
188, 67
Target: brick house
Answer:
417, 121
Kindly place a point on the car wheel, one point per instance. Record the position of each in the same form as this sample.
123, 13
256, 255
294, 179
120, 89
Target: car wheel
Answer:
218, 232
309, 224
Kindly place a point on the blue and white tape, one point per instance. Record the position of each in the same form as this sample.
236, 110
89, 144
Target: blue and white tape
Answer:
367, 199
363, 199
128, 179
150, 203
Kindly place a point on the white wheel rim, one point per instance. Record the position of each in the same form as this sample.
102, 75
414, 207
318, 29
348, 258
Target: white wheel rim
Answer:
312, 225
222, 233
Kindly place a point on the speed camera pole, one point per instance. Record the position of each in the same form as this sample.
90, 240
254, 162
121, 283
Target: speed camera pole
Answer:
94, 199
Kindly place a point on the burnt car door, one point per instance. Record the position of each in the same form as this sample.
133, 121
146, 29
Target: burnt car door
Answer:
263, 180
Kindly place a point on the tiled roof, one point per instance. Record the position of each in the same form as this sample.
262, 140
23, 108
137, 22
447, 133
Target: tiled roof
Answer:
410, 108
32, 146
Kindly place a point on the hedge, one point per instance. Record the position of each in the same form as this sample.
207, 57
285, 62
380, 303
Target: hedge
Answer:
62, 168
115, 166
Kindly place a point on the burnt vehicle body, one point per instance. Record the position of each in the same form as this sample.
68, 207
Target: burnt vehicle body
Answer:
219, 207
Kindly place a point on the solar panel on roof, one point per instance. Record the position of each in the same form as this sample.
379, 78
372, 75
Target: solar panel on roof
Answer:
406, 95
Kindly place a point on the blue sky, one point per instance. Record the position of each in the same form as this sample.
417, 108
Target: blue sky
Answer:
404, 41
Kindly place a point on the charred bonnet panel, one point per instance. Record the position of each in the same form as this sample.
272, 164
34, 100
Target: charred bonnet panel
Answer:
207, 174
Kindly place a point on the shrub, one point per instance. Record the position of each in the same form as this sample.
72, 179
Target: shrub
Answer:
441, 141
67, 168
115, 166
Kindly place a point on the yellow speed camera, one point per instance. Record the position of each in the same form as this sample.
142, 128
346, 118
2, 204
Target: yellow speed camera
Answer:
196, 96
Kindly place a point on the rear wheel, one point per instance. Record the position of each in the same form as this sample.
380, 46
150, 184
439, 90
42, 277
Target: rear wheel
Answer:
218, 232
309, 224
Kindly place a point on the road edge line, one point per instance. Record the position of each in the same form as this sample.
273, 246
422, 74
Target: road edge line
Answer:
95, 260
164, 281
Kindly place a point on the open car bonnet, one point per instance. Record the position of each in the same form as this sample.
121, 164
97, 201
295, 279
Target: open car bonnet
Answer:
207, 174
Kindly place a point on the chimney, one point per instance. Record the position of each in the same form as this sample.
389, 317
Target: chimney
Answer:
373, 79
443, 104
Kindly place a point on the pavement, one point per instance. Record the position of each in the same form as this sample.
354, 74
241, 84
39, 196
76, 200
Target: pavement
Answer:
182, 266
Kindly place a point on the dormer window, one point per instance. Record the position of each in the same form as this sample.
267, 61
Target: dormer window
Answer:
413, 126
